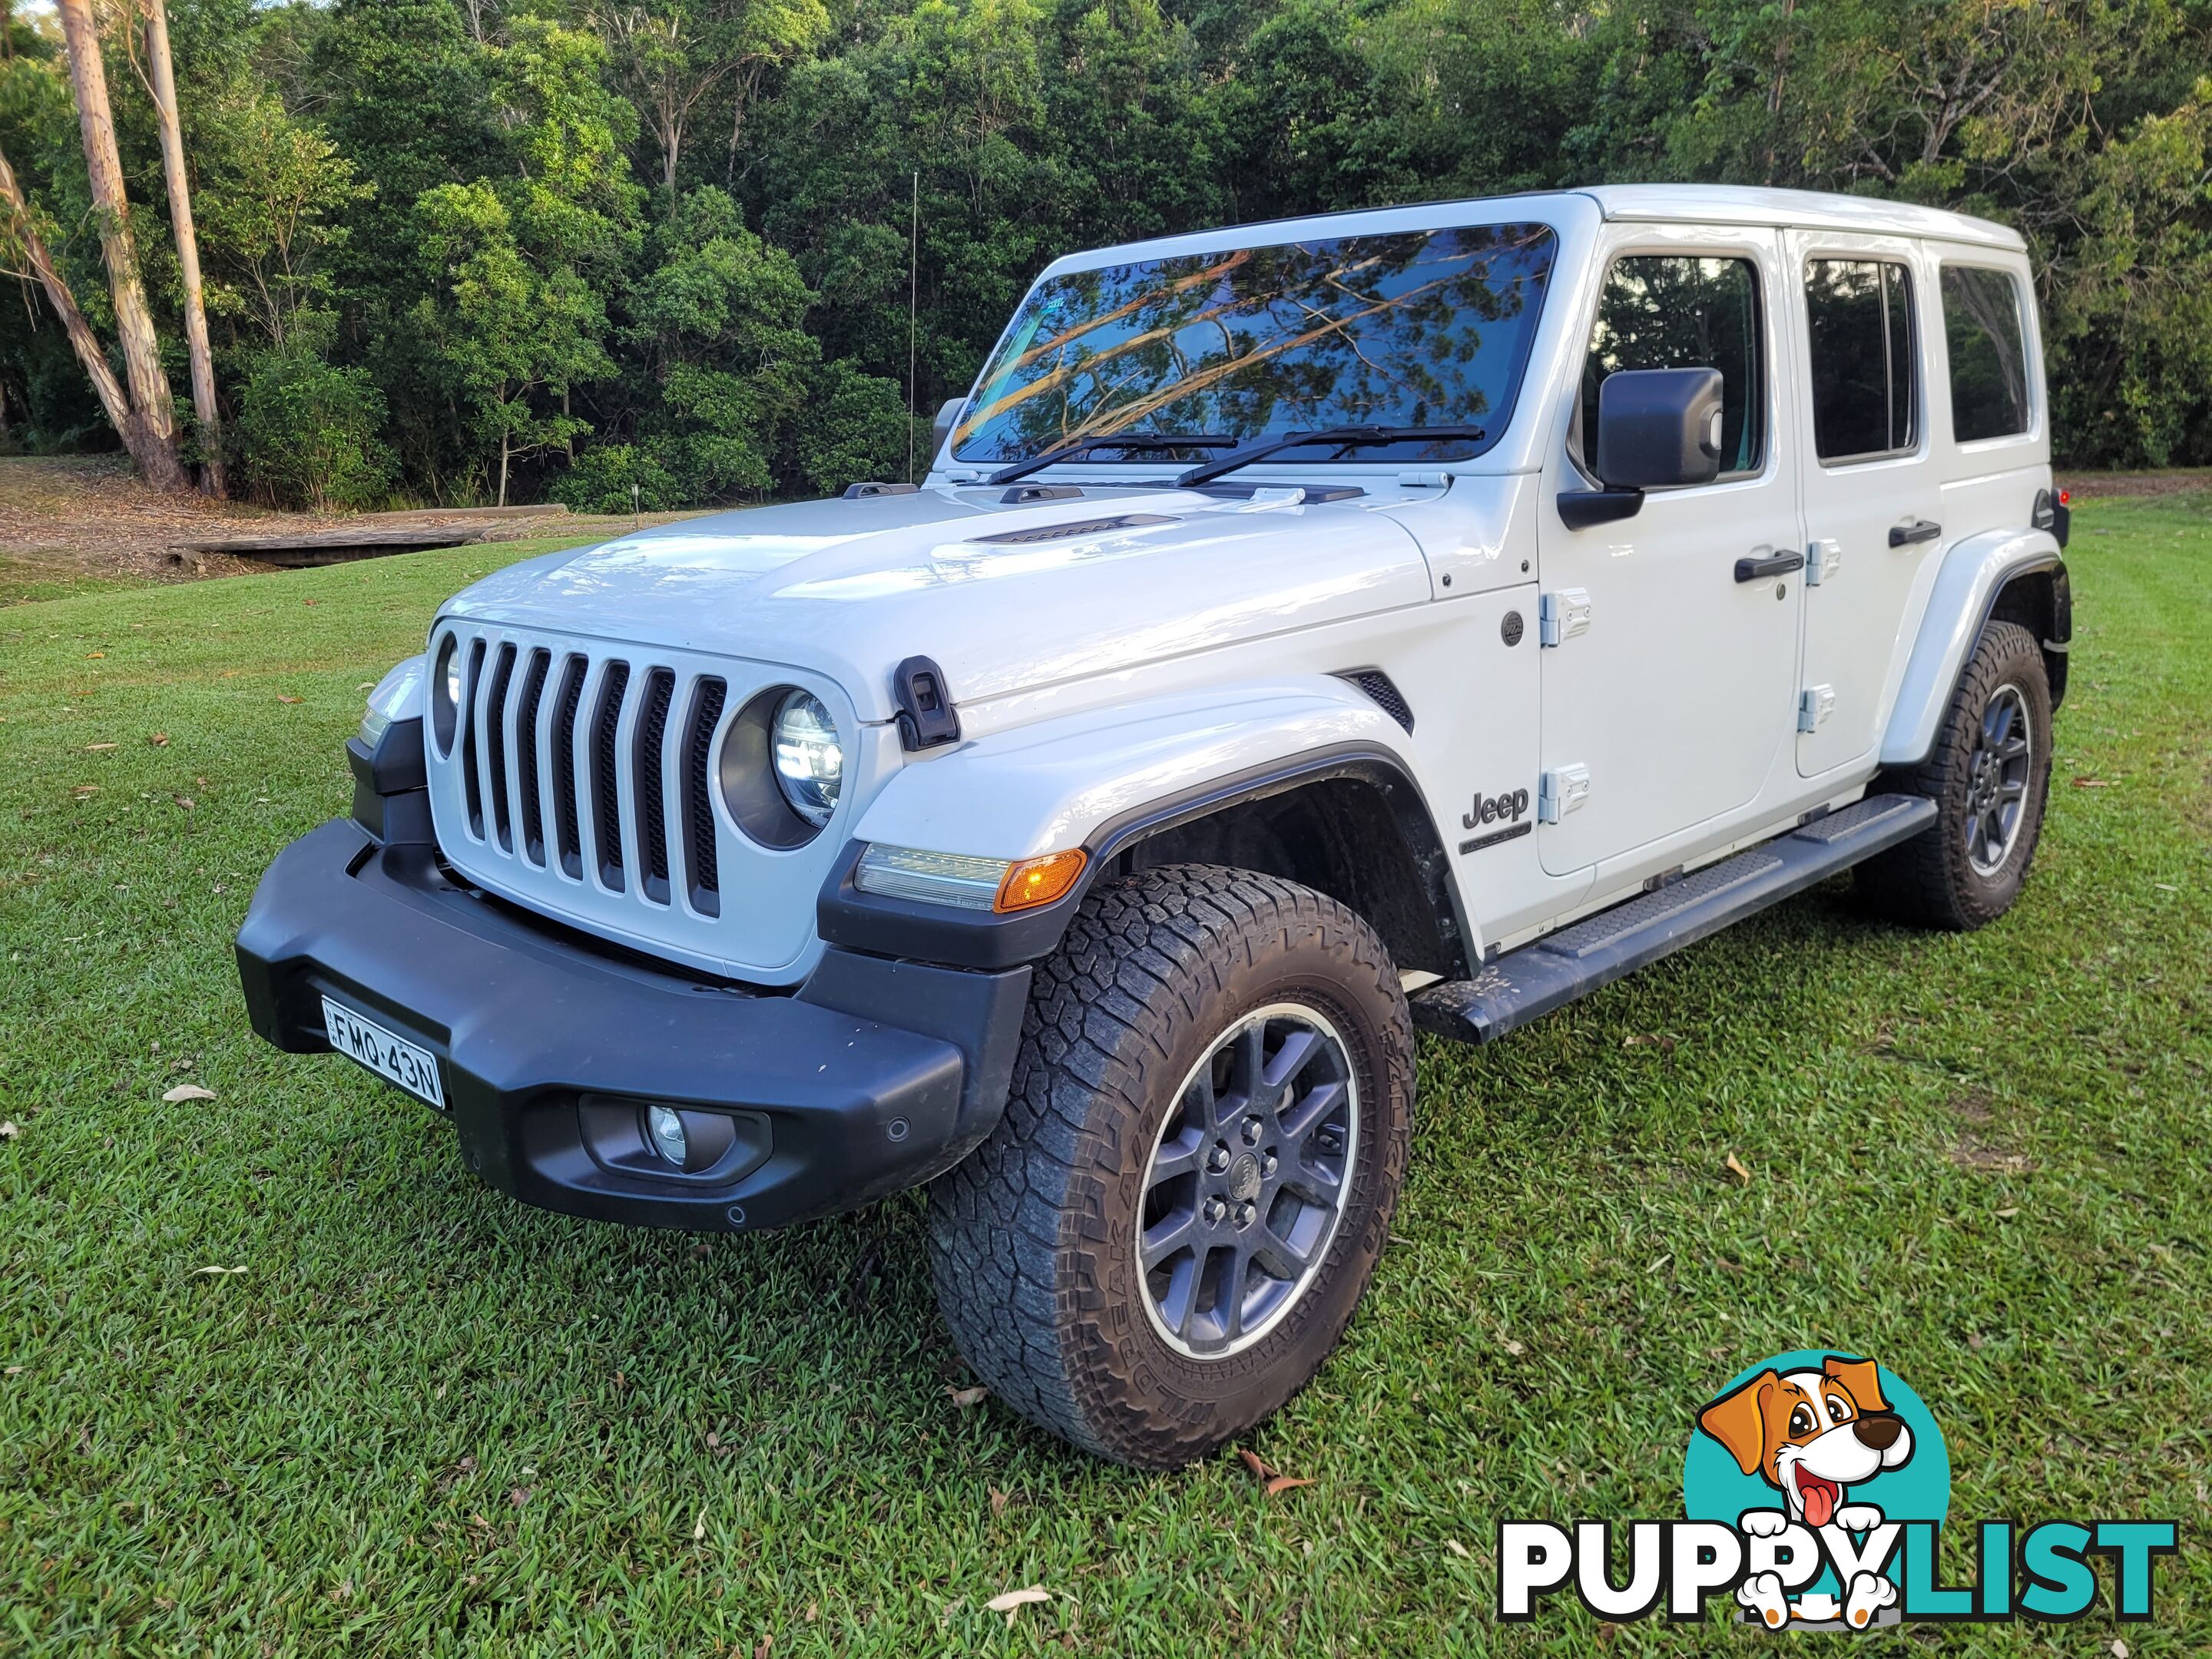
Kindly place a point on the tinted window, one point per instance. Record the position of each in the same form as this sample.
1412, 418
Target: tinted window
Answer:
1669, 311
1989, 361
1859, 318
1414, 328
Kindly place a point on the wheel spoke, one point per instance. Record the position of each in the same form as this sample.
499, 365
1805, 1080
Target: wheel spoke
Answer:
1300, 1117
1178, 1157
1230, 1308
1278, 1256
2012, 792
1298, 1051
1248, 1071
1999, 722
2015, 748
1181, 1295
1313, 1184
1172, 1233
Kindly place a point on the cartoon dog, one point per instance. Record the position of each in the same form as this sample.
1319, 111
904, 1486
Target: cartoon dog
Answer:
1810, 1435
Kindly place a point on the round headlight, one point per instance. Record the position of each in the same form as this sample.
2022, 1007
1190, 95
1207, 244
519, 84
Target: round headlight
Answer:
445, 692
810, 762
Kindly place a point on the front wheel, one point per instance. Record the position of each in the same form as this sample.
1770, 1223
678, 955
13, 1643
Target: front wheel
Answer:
1166, 1234
1990, 776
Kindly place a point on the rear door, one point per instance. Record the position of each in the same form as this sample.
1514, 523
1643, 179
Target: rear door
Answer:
1668, 697
1872, 498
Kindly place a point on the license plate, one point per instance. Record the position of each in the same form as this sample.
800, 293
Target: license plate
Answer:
393, 1058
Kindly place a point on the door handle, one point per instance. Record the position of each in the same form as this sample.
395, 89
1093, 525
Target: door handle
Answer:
1920, 530
1773, 564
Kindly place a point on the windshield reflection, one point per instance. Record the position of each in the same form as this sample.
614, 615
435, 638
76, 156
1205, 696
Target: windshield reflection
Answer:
1408, 328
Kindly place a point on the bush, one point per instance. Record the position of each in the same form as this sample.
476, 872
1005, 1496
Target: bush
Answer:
307, 435
854, 426
600, 482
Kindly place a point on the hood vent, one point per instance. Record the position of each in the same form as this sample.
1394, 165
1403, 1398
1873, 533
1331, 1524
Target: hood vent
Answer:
1055, 532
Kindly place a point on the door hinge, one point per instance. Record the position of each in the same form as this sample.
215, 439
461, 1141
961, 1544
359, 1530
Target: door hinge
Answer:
1561, 616
1822, 559
1814, 704
1561, 793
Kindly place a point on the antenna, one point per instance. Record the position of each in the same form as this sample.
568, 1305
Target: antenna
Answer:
913, 289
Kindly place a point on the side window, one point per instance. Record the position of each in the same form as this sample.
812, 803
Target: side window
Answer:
1982, 324
1673, 311
1859, 318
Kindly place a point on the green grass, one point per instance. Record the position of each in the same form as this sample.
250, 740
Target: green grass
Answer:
426, 1418
29, 581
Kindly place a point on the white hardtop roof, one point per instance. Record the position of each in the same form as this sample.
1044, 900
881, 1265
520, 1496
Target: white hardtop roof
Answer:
1701, 204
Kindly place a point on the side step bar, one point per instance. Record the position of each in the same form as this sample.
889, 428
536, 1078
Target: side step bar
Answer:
1533, 980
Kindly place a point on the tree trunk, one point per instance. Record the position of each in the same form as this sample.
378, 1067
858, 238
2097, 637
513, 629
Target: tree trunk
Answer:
188, 245
86, 343
150, 434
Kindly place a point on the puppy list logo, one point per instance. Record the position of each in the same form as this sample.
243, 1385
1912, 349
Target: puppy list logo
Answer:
1816, 1486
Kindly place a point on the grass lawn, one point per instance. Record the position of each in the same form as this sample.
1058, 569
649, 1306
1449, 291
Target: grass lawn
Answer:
426, 1418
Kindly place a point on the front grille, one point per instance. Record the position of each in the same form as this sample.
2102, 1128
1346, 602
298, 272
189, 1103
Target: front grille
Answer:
559, 750
583, 780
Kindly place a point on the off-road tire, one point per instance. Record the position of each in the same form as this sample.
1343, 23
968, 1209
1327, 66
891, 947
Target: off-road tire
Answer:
1931, 881
1033, 1236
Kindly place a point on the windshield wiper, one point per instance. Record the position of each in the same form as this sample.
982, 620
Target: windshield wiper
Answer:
1342, 437
1143, 440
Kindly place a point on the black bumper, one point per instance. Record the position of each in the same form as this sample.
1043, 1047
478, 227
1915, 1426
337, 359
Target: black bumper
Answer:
874, 1076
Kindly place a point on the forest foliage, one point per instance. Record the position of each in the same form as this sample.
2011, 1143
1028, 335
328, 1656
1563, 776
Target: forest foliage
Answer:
658, 250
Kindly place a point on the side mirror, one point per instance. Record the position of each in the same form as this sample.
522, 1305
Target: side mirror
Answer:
1659, 427
948, 416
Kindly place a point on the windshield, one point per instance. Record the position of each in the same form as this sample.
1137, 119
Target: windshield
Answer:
1411, 328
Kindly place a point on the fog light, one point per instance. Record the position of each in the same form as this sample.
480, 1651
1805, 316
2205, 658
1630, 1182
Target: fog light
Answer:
668, 1136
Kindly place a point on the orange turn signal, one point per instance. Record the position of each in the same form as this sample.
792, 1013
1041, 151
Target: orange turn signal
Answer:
1039, 881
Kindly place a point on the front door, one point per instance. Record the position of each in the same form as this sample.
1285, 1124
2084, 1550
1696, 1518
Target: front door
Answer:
1669, 693
1872, 499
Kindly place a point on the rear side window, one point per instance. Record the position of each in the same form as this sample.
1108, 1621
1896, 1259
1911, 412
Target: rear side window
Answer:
1673, 311
1859, 313
1983, 326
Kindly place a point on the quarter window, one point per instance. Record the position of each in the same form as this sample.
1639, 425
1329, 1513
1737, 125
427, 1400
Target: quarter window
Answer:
1674, 311
1983, 327
1859, 318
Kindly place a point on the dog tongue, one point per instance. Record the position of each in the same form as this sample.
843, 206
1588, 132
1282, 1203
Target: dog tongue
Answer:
1819, 1504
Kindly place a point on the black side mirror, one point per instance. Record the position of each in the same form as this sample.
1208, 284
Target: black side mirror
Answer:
948, 416
1659, 427
1656, 428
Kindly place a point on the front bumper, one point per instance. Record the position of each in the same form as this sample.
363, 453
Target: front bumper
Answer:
875, 1075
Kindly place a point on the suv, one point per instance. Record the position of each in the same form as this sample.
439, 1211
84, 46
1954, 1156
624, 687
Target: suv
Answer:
1305, 633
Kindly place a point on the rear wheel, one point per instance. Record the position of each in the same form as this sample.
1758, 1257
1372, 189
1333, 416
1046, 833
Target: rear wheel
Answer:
1165, 1236
1990, 777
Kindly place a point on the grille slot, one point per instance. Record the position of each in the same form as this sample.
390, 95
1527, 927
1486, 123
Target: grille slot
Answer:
532, 809
471, 782
606, 800
652, 785
495, 734
700, 862
569, 842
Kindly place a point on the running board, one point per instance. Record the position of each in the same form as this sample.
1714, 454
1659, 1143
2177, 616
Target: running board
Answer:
1553, 971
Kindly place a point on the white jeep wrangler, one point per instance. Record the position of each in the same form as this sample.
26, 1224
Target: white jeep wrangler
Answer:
1305, 633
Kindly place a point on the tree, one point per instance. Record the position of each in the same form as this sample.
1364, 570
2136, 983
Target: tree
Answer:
503, 334
22, 231
150, 432
161, 82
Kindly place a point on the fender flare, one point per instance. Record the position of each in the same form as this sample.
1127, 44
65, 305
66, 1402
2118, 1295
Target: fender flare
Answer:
1105, 780
1975, 574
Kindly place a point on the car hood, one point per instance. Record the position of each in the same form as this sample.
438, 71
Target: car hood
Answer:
1004, 596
